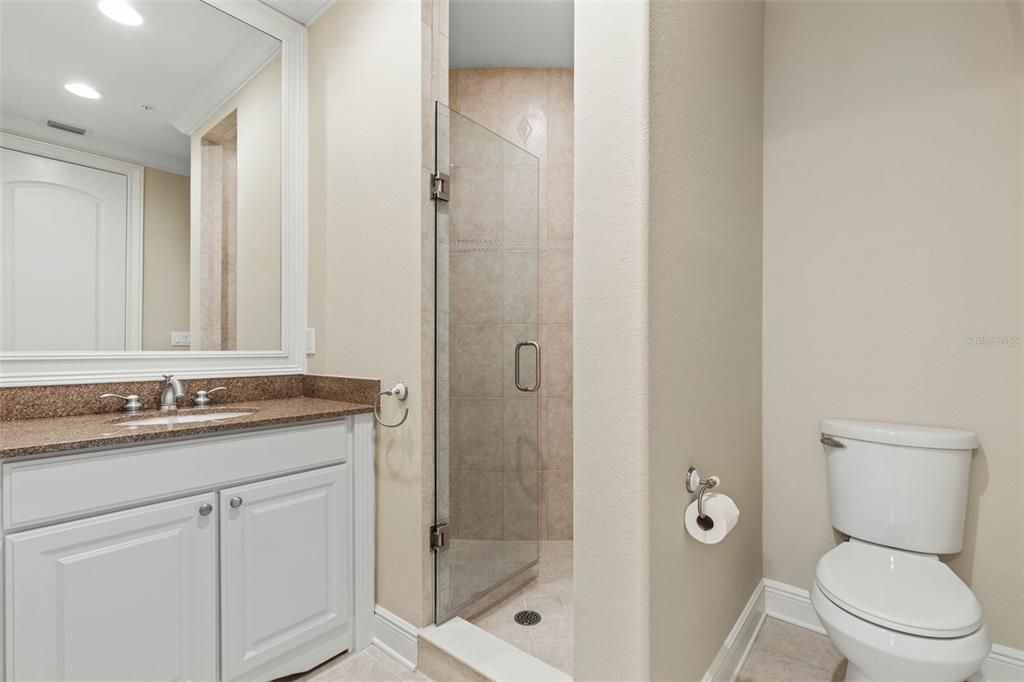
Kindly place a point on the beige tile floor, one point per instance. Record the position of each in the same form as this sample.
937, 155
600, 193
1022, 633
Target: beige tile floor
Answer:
787, 653
551, 595
371, 664
549, 640
781, 653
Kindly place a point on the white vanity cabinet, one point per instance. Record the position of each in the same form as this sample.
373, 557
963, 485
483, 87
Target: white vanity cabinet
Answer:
285, 568
122, 596
119, 565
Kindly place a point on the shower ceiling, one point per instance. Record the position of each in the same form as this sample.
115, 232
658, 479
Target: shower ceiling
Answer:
511, 33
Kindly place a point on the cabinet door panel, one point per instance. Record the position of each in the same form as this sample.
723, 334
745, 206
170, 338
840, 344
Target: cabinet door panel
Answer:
123, 596
286, 576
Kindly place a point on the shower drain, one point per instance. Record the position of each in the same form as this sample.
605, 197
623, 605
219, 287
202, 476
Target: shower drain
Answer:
527, 618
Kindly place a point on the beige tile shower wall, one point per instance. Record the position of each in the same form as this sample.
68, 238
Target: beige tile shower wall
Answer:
491, 304
533, 109
893, 243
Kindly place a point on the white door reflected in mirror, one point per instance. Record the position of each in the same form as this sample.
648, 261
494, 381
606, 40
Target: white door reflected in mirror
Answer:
65, 255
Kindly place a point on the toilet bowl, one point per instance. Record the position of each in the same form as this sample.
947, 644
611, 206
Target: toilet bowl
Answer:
897, 613
898, 616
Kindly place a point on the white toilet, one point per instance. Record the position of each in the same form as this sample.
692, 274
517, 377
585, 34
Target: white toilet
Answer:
890, 606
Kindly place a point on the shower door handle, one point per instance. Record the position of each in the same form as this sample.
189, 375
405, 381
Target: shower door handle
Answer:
536, 383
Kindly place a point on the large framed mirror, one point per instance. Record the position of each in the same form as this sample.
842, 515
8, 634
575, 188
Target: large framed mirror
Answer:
153, 204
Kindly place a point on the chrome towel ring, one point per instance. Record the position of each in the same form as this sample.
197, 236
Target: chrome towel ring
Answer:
399, 391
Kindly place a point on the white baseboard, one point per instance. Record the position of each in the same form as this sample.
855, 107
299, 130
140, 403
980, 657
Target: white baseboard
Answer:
793, 605
733, 654
395, 636
771, 598
1003, 664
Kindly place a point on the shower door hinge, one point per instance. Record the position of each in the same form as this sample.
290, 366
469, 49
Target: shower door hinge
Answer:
440, 186
439, 537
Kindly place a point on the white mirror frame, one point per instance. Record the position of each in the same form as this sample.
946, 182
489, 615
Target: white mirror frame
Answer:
67, 367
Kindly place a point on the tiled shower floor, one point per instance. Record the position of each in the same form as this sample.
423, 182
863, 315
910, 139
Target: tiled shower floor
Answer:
472, 566
550, 595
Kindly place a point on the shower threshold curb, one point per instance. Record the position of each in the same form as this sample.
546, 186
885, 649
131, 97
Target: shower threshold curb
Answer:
490, 656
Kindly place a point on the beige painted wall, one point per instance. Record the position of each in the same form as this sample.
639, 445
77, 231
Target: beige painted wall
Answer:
611, 536
705, 316
165, 258
259, 211
667, 327
893, 235
366, 194
258, 249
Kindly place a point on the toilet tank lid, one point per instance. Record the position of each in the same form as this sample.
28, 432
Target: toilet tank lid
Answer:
910, 435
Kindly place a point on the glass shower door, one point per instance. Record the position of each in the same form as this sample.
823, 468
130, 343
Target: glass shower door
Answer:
487, 361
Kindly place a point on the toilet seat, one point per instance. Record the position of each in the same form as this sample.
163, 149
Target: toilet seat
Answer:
903, 591
883, 655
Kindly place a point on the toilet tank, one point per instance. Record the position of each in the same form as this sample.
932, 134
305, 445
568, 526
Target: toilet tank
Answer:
899, 485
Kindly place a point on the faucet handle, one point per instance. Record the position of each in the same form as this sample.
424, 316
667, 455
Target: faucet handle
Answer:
131, 402
203, 397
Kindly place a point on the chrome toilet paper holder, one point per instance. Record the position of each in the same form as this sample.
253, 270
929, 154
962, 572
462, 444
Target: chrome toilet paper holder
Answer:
696, 484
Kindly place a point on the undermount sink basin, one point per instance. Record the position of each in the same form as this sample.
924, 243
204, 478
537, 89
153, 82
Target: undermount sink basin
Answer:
171, 419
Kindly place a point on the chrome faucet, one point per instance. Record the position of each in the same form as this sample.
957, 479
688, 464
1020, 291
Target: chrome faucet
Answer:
170, 394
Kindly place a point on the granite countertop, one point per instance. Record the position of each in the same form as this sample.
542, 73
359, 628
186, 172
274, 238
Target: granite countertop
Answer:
21, 437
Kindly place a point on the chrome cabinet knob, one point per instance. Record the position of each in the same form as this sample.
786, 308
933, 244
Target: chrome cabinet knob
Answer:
235, 502
206, 509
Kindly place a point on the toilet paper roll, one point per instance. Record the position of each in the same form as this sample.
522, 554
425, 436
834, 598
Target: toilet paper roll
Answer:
723, 516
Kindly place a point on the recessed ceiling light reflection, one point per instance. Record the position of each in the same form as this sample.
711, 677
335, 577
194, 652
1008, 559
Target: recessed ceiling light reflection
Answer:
120, 11
82, 90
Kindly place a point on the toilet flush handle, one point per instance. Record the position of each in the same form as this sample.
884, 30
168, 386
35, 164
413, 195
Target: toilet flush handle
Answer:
831, 442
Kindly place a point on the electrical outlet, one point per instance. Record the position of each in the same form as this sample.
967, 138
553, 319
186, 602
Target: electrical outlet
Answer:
181, 338
310, 341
